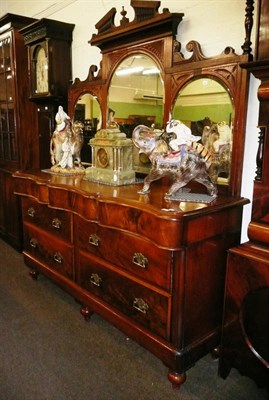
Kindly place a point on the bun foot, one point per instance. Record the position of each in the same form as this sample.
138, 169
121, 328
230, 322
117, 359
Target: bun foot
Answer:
215, 353
176, 379
86, 312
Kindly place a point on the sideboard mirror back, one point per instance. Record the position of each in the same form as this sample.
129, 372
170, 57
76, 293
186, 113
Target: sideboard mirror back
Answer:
152, 36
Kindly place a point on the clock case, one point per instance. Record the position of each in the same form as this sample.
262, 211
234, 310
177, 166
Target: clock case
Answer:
55, 37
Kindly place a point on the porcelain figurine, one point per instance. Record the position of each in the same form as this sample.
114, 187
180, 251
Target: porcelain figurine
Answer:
175, 153
66, 144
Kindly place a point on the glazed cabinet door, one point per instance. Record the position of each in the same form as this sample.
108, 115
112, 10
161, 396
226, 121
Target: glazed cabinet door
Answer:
18, 137
8, 138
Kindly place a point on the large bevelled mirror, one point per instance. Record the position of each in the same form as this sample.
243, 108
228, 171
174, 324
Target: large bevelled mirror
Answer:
136, 94
87, 110
206, 107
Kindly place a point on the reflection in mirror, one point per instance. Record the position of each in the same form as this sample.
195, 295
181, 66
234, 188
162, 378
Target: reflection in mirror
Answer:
88, 111
206, 108
136, 93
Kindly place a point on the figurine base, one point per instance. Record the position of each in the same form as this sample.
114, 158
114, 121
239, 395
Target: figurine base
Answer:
110, 177
187, 196
64, 171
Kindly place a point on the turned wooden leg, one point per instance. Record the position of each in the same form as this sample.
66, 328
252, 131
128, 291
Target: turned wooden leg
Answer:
176, 379
34, 274
86, 312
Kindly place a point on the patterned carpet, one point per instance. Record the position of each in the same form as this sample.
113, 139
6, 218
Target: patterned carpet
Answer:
49, 352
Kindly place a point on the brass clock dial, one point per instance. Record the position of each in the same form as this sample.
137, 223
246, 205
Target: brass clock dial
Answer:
42, 79
102, 158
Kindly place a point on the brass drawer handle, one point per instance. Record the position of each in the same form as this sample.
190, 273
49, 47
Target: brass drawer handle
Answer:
31, 212
94, 240
140, 260
56, 223
96, 279
33, 243
140, 305
58, 257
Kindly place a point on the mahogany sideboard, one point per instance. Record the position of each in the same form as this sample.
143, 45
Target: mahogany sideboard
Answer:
153, 268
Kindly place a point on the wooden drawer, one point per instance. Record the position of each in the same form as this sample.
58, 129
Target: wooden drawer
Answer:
133, 253
57, 222
51, 251
147, 307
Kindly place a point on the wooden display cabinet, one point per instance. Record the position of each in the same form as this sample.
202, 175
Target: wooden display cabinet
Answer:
18, 137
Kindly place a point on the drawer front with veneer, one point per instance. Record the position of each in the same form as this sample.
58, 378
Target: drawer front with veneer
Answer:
57, 222
147, 307
58, 255
136, 255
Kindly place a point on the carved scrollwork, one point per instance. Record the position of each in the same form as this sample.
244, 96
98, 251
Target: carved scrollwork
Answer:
177, 55
178, 80
195, 48
227, 72
92, 76
228, 51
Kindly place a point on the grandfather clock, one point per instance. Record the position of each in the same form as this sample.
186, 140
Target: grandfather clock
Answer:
50, 73
245, 343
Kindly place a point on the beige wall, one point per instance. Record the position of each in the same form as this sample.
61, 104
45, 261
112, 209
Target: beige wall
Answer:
216, 24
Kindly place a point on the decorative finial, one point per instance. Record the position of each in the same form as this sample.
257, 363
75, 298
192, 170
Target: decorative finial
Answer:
124, 19
246, 47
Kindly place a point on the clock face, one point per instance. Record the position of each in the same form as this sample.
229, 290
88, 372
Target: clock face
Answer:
102, 158
42, 79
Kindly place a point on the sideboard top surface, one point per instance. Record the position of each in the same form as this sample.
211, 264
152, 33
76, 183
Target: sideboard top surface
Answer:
39, 184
